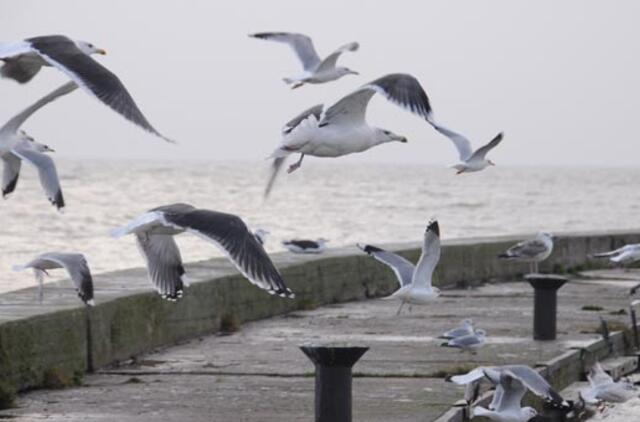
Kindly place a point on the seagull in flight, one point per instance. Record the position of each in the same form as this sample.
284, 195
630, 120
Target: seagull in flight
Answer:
470, 160
16, 146
24, 59
154, 233
415, 281
532, 251
315, 69
342, 129
306, 246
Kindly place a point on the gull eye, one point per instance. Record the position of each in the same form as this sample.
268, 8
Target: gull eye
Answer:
386, 132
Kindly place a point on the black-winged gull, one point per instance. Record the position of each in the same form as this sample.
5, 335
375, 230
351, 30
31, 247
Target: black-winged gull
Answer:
306, 246
315, 70
342, 128
415, 281
24, 59
532, 251
74, 263
154, 232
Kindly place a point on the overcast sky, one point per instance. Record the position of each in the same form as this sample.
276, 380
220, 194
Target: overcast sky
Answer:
560, 78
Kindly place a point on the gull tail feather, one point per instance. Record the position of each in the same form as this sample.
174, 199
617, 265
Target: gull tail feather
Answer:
275, 170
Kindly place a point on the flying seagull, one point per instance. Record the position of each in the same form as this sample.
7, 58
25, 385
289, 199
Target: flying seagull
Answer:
24, 59
342, 128
602, 388
305, 246
532, 251
512, 382
316, 70
415, 282
624, 255
465, 328
470, 160
154, 233
467, 342
75, 264
17, 145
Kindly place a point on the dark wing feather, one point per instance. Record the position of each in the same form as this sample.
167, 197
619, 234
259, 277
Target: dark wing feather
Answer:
10, 172
164, 263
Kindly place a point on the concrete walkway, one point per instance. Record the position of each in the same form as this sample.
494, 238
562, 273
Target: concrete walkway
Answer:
259, 374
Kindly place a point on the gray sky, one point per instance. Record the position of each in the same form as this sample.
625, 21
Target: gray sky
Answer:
559, 77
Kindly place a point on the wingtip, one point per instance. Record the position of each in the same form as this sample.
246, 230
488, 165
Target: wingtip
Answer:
433, 226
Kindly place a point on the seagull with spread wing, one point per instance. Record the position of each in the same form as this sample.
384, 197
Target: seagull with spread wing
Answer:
315, 69
342, 129
24, 59
154, 233
415, 281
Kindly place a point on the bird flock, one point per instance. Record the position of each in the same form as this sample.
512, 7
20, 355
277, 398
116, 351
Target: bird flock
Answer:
320, 131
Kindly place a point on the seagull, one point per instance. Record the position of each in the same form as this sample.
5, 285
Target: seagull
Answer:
316, 70
154, 233
602, 388
468, 342
415, 282
16, 146
512, 382
624, 255
342, 128
470, 161
305, 246
465, 328
75, 264
261, 235
24, 59
532, 251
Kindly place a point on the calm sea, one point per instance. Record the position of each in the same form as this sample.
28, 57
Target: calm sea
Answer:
341, 201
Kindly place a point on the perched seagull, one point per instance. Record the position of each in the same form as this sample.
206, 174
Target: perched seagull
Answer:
512, 382
415, 282
621, 256
17, 146
468, 342
316, 70
261, 236
75, 264
305, 245
342, 128
24, 59
465, 328
470, 160
532, 251
602, 388
154, 233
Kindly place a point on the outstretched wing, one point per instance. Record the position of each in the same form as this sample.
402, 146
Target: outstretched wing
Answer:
402, 268
483, 150
329, 62
164, 263
461, 143
47, 173
430, 256
78, 269
10, 172
316, 111
533, 381
301, 45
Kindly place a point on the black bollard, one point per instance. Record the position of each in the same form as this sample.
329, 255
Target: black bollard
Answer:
634, 326
545, 304
333, 380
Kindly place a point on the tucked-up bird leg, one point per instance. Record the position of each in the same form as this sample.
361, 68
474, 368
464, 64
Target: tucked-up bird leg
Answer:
400, 308
295, 166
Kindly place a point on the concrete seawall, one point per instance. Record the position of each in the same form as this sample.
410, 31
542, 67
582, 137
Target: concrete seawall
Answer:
64, 338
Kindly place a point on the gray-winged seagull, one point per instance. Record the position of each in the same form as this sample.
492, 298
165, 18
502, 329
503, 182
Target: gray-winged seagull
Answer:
415, 282
74, 263
532, 251
342, 129
624, 255
602, 387
24, 59
16, 145
316, 70
465, 327
154, 233
468, 342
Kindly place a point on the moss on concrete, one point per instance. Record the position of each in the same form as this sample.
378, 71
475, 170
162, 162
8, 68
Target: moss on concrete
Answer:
7, 396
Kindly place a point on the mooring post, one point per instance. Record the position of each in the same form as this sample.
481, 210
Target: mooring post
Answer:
545, 304
634, 326
333, 380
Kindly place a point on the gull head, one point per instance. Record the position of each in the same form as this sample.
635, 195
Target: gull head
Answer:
89, 49
37, 146
342, 71
383, 135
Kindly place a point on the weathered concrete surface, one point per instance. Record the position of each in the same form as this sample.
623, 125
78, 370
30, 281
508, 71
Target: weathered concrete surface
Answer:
258, 374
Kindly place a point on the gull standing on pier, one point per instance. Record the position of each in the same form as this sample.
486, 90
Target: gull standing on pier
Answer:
316, 70
532, 251
306, 246
415, 282
602, 388
24, 59
74, 263
470, 161
465, 328
624, 255
154, 233
467, 342
342, 129
17, 146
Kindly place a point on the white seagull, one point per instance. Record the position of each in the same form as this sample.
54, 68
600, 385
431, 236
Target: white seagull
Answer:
316, 70
467, 342
154, 233
532, 251
512, 382
306, 246
16, 145
24, 59
470, 160
75, 264
465, 328
602, 388
624, 255
415, 282
342, 128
